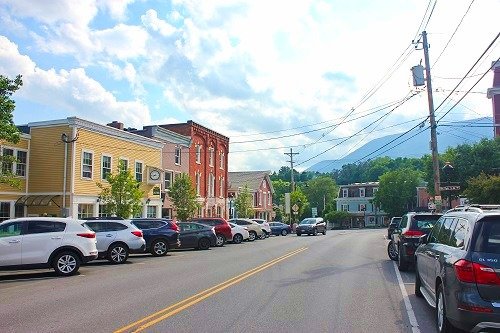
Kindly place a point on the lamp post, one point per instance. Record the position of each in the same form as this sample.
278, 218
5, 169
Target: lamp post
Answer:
448, 186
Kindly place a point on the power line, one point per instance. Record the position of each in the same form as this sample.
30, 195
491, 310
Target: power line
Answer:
423, 19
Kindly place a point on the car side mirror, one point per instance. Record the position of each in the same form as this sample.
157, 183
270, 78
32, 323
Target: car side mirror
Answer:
424, 239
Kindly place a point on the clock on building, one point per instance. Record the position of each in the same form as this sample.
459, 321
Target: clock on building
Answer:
154, 174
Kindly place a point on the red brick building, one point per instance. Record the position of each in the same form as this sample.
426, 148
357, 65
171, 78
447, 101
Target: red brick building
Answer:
208, 165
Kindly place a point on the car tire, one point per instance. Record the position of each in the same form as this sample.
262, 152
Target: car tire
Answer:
252, 235
159, 247
66, 263
418, 283
221, 240
267, 234
315, 232
263, 235
204, 244
284, 232
392, 251
402, 264
298, 234
117, 253
237, 239
324, 232
442, 323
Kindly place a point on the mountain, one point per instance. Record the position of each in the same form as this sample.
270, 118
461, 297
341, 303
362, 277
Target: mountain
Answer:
459, 132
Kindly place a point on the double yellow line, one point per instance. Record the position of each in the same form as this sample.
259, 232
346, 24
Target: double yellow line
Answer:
161, 315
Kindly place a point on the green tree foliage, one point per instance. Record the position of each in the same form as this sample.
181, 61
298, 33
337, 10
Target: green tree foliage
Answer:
121, 195
243, 203
280, 188
320, 191
337, 217
397, 191
8, 131
298, 198
483, 189
183, 195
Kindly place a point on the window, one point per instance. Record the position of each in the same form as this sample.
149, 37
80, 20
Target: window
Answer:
362, 207
105, 166
40, 227
4, 211
87, 164
11, 229
115, 226
444, 234
375, 189
18, 210
177, 156
458, 237
123, 164
198, 181
345, 192
138, 171
221, 187
222, 160
84, 211
434, 234
488, 238
260, 198
211, 185
345, 207
362, 192
104, 211
168, 179
7, 165
151, 211
198, 153
22, 158
211, 156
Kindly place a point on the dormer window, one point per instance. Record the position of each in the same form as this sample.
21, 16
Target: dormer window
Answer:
362, 192
345, 193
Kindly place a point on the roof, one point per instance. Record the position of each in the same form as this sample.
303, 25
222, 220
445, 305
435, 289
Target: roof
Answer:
361, 184
252, 179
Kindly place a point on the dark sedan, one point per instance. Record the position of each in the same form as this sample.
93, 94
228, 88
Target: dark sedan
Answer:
278, 228
160, 234
196, 235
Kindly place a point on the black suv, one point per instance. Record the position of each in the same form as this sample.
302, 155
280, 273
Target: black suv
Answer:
405, 237
311, 226
160, 234
458, 269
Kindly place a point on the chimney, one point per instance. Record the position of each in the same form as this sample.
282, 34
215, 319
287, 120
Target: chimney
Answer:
116, 124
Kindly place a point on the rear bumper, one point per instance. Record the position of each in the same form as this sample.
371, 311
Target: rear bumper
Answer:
476, 322
139, 249
86, 259
407, 251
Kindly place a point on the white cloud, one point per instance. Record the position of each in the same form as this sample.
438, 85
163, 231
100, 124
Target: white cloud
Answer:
116, 8
151, 20
122, 41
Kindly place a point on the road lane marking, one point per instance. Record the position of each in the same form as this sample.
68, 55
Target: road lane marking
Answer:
406, 299
173, 309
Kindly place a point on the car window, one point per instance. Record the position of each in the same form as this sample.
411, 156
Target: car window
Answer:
39, 227
11, 229
115, 226
459, 233
142, 224
403, 223
488, 239
434, 233
308, 221
96, 226
208, 222
424, 222
446, 231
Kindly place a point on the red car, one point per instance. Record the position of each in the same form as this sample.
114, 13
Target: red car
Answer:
222, 228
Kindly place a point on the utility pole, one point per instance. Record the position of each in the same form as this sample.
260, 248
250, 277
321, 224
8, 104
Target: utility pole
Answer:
66, 140
432, 119
291, 153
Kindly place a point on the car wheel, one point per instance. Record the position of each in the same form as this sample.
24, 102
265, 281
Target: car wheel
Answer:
237, 239
315, 232
392, 251
267, 234
418, 283
442, 323
221, 240
252, 236
159, 248
204, 244
284, 232
117, 253
263, 236
66, 263
298, 234
402, 264
324, 232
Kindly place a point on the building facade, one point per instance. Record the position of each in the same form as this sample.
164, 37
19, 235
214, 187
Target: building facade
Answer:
261, 187
175, 160
68, 157
357, 200
208, 166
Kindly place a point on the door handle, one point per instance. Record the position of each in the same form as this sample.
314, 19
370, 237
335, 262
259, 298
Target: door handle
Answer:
14, 241
109, 235
56, 237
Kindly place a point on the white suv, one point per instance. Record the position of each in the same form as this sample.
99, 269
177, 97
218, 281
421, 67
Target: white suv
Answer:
37, 242
266, 228
116, 239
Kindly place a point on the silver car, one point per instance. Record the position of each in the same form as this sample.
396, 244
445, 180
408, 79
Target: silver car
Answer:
116, 239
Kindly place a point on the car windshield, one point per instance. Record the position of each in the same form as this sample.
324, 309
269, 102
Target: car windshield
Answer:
308, 221
488, 240
424, 221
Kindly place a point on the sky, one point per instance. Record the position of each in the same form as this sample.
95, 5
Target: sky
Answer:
320, 77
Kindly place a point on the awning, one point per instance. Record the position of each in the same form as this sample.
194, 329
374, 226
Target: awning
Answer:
37, 200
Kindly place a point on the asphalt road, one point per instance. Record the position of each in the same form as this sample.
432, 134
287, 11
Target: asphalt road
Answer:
341, 282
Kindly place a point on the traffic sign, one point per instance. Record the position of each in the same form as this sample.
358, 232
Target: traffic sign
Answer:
314, 211
295, 208
450, 188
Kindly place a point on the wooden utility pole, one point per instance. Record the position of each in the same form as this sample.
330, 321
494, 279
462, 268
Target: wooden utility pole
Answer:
291, 153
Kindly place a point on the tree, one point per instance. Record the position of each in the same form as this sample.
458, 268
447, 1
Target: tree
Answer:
122, 197
483, 189
183, 195
337, 217
243, 203
298, 198
319, 191
8, 131
280, 188
396, 192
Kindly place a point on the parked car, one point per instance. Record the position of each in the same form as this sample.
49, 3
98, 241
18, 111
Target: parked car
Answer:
265, 226
254, 229
116, 239
160, 234
278, 228
405, 238
311, 226
196, 235
457, 269
46, 242
222, 228
392, 226
240, 233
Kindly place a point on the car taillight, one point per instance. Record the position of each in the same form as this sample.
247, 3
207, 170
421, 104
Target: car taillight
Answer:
413, 233
474, 272
87, 235
137, 233
174, 226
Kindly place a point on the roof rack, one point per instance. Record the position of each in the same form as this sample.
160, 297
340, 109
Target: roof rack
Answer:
477, 208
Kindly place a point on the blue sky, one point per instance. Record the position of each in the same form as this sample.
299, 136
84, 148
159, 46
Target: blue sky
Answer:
268, 74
